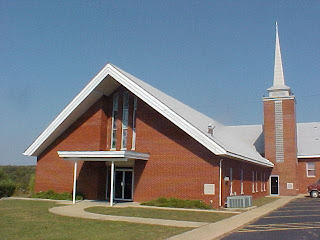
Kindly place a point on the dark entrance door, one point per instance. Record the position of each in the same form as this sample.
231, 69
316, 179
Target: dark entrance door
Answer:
274, 185
123, 184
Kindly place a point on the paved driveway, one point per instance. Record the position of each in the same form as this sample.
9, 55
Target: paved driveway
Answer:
299, 219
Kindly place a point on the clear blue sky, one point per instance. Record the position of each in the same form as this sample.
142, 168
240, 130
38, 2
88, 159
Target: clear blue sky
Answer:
216, 56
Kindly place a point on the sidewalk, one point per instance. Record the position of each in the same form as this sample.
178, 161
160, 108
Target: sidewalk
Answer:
219, 229
77, 210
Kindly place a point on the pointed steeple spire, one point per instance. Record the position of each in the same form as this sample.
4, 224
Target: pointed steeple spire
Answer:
279, 88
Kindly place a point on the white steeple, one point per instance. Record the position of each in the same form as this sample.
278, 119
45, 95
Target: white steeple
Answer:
279, 89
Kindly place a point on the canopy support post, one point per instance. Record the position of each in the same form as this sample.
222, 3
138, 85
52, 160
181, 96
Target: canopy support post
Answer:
74, 182
112, 183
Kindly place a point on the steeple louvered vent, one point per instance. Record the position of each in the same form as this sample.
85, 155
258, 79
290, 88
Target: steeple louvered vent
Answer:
279, 131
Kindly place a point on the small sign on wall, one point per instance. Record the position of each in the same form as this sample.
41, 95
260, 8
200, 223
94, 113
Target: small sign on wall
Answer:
289, 185
209, 189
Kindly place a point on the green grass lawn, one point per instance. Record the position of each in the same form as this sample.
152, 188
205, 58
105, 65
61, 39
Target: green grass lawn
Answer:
161, 214
264, 200
23, 219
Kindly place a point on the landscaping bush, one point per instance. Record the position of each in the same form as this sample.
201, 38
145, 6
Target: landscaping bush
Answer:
176, 203
7, 188
55, 196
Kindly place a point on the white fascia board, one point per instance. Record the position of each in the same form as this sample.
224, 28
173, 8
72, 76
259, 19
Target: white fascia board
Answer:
308, 156
167, 112
76, 159
278, 98
139, 92
254, 161
66, 111
106, 155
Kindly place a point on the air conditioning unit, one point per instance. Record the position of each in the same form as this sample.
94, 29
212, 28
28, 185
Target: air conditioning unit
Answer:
239, 201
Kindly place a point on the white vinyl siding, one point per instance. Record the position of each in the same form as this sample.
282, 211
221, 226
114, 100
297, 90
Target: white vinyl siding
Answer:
125, 117
134, 117
114, 121
311, 169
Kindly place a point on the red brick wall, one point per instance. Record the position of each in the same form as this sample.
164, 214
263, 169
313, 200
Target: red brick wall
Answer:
87, 133
286, 170
247, 179
178, 165
304, 181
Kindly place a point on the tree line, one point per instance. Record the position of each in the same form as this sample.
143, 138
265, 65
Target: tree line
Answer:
19, 177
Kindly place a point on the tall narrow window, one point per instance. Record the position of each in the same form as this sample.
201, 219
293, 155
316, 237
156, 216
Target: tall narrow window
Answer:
125, 116
241, 182
261, 183
134, 116
264, 181
256, 181
253, 182
114, 121
231, 193
311, 169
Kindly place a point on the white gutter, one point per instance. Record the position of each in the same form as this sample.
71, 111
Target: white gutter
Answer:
308, 156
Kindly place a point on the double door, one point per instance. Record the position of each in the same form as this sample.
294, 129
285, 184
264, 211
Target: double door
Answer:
123, 184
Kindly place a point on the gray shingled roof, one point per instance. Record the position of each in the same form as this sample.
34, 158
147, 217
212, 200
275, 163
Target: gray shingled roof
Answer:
308, 137
222, 135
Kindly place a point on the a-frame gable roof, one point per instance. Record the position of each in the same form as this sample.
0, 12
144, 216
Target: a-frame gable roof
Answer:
223, 142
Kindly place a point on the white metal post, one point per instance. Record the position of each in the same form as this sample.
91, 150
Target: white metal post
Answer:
220, 183
74, 182
112, 182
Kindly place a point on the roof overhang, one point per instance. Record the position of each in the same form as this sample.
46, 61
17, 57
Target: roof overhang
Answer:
308, 156
89, 95
102, 155
250, 160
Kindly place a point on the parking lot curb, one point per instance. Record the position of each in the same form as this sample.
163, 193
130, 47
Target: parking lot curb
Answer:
222, 228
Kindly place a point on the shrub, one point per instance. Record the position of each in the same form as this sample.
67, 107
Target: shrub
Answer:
7, 188
56, 196
176, 203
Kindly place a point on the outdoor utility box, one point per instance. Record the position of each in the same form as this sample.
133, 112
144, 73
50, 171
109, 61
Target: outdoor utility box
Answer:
239, 201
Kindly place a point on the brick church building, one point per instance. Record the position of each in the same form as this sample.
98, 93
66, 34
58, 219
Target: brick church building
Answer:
121, 139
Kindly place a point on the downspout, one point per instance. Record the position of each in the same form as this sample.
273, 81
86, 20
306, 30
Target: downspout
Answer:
220, 182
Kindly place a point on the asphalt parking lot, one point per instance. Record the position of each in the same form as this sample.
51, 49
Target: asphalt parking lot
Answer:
299, 219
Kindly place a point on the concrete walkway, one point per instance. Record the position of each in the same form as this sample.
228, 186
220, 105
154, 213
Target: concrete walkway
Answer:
77, 210
219, 229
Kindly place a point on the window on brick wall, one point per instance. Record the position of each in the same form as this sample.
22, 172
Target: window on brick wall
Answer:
114, 121
253, 182
125, 117
261, 183
231, 190
264, 182
241, 182
134, 117
311, 169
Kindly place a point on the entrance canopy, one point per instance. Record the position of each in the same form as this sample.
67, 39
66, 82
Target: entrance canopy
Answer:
104, 156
